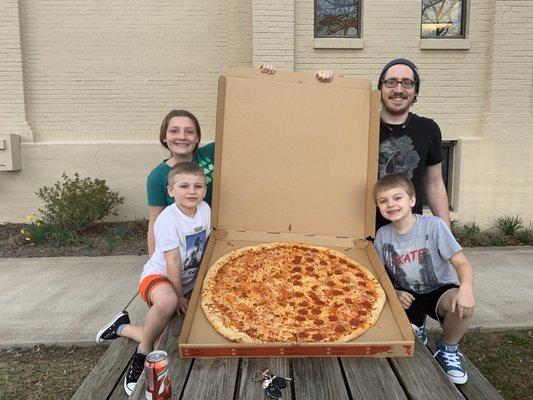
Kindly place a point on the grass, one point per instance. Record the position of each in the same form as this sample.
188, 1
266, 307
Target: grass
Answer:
51, 372
45, 372
504, 358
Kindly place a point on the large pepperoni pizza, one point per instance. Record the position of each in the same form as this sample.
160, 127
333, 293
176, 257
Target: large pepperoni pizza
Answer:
290, 292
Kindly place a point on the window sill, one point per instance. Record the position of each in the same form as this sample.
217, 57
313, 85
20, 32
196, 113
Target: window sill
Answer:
444, 44
338, 43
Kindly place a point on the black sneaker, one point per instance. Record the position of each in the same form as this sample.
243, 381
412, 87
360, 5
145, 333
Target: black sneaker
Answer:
109, 332
134, 372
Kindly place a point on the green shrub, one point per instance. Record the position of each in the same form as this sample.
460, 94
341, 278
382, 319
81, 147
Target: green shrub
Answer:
40, 232
74, 204
509, 225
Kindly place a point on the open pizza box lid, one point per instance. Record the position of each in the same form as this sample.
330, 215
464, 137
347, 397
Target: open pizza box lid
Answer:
296, 161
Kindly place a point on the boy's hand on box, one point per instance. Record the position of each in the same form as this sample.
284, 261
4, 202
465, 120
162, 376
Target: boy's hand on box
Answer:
463, 302
405, 298
183, 304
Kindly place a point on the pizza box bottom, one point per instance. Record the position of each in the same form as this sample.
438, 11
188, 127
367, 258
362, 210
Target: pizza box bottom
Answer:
391, 336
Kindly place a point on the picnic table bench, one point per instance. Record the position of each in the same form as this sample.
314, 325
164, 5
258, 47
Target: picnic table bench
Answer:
335, 378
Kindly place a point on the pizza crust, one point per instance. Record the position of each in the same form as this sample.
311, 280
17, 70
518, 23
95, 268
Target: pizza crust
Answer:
217, 312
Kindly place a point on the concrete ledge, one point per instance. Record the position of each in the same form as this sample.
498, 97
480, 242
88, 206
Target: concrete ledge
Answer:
444, 44
338, 43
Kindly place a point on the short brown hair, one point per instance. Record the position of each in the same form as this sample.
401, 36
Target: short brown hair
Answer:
392, 181
185, 168
178, 113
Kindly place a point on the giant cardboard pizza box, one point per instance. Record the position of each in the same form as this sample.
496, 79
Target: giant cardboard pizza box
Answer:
296, 161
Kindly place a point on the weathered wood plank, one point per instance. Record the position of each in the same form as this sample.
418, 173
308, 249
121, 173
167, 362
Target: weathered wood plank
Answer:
318, 378
371, 378
118, 393
108, 371
250, 390
422, 377
212, 378
179, 367
477, 387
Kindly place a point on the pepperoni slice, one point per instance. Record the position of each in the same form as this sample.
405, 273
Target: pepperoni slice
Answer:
346, 288
310, 259
345, 279
318, 336
316, 311
322, 262
303, 311
297, 260
299, 318
340, 328
330, 283
303, 303
297, 276
347, 300
296, 269
354, 322
309, 269
337, 292
318, 322
338, 271
297, 283
361, 283
333, 318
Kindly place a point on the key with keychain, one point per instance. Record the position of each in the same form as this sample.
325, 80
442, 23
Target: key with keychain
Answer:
271, 383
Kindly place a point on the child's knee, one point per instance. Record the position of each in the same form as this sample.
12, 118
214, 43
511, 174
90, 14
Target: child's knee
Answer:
167, 303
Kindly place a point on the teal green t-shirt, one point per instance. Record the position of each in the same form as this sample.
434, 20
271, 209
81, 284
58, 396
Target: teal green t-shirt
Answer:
157, 182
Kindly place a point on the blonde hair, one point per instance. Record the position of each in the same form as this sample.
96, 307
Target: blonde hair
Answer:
187, 167
392, 181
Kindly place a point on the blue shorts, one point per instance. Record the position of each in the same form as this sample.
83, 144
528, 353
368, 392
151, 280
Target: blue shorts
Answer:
426, 304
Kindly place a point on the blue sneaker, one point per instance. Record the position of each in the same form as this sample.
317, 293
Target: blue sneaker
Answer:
420, 331
450, 360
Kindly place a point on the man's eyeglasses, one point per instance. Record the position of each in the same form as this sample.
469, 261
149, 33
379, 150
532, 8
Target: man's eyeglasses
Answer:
392, 83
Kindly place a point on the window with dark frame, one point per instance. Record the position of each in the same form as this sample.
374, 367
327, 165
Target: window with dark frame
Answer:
447, 150
337, 18
443, 19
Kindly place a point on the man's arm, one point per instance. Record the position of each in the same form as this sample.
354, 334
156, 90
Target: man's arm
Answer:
436, 192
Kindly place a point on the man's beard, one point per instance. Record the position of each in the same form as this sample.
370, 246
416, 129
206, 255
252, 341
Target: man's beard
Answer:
397, 111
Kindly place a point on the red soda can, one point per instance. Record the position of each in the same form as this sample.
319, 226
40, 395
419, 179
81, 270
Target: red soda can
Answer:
157, 376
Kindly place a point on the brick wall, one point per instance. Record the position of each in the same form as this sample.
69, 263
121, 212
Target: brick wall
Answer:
110, 70
99, 71
12, 107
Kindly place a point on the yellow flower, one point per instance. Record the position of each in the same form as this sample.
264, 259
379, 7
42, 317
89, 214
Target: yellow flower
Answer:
30, 217
23, 231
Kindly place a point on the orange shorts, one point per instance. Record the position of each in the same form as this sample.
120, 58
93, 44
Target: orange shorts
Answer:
148, 283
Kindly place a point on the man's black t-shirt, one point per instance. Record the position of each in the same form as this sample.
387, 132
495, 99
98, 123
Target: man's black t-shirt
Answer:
409, 148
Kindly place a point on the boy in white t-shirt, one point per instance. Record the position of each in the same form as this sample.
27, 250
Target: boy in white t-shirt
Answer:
168, 277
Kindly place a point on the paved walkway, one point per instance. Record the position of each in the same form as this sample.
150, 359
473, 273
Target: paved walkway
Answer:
65, 300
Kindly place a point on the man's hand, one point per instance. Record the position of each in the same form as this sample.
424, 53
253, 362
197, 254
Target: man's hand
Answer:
405, 298
325, 76
463, 302
183, 304
267, 69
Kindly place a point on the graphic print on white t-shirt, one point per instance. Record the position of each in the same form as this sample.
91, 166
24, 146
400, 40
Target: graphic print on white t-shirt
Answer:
195, 245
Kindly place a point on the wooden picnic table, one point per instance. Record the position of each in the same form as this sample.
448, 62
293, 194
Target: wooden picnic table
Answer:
335, 378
